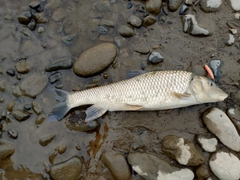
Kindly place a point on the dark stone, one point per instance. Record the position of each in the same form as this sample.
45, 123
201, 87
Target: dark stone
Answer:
183, 9
36, 5
55, 77
68, 39
11, 72
129, 5
27, 107
40, 18
62, 63
25, 18
32, 25
13, 133
58, 84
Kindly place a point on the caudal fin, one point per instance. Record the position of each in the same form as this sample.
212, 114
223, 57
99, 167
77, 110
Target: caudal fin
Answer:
61, 109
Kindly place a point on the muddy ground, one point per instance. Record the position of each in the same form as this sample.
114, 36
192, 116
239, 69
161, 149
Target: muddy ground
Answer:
117, 130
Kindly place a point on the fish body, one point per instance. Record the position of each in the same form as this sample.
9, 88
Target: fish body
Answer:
157, 90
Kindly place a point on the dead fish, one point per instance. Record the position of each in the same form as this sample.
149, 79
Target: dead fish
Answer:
158, 90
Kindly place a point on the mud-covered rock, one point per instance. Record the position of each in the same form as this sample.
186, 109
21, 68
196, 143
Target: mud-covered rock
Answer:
149, 20
173, 5
95, 60
210, 5
202, 172
220, 125
22, 67
153, 6
6, 150
117, 165
141, 48
62, 63
40, 119
225, 166
25, 18
20, 115
3, 85
67, 170
126, 31
181, 150
152, 167
207, 142
13, 133
32, 85
44, 141
135, 21
36, 107
62, 148
17, 91
40, 18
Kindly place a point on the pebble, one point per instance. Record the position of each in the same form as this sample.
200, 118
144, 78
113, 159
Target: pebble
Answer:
68, 39
10, 106
152, 167
17, 91
40, 18
210, 5
230, 41
155, 58
225, 165
6, 150
207, 142
44, 141
102, 30
233, 31
13, 133
11, 72
182, 150
135, 21
149, 20
69, 169
32, 25
191, 26
94, 60
234, 114
34, 4
54, 77
22, 67
153, 6
103, 5
108, 23
117, 165
173, 5
40, 30
202, 172
27, 107
3, 85
235, 4
61, 149
62, 63
126, 31
220, 125
32, 85
20, 115
25, 18
52, 157
141, 48
188, 2
129, 5
183, 9
36, 107
40, 119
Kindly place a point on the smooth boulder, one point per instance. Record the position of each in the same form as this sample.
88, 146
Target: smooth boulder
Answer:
94, 60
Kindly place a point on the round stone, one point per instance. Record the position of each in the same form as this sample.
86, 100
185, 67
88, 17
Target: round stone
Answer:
135, 21
210, 5
22, 67
126, 31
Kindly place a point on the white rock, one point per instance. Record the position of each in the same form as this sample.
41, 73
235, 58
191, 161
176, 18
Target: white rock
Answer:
226, 166
235, 4
208, 144
237, 15
231, 39
214, 3
220, 125
188, 2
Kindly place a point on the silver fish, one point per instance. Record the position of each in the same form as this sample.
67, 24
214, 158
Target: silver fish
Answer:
157, 90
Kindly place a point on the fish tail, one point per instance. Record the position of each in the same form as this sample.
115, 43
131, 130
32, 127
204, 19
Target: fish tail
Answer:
61, 109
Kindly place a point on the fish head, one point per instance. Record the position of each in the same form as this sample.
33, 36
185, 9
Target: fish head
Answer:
205, 90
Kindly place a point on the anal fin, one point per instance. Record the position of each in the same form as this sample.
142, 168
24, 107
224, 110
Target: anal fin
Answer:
181, 95
94, 112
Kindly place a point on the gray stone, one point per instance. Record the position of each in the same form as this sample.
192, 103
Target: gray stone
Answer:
135, 21
173, 5
13, 133
103, 5
6, 150
32, 85
181, 150
67, 170
149, 20
155, 57
40, 30
20, 115
94, 60
141, 48
202, 172
230, 40
44, 141
117, 165
207, 142
62, 63
126, 31
153, 6
22, 67
235, 5
210, 5
220, 125
3, 85
25, 18
68, 39
225, 166
152, 167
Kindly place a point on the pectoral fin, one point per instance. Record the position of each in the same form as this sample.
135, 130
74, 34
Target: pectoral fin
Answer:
181, 96
130, 107
94, 112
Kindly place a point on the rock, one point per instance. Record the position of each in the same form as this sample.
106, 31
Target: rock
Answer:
225, 166
6, 150
141, 48
37, 107
52, 157
191, 26
40, 30
25, 18
234, 114
32, 85
13, 133
103, 5
126, 31
20, 115
183, 9
181, 150
117, 165
153, 6
135, 21
188, 2
155, 58
55, 77
32, 25
17, 91
202, 172
233, 31
11, 72
207, 142
173, 5
10, 106
22, 67
152, 167
3, 85
40, 119
235, 5
59, 14
210, 5
27, 107
230, 41
149, 20
62, 63
68, 39
44, 141
69, 169
61, 149
108, 23
220, 125
102, 30
40, 18
95, 60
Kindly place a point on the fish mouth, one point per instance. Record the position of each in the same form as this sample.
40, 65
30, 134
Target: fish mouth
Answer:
222, 97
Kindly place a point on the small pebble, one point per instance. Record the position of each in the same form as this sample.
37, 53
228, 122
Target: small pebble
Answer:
68, 39
46, 139
25, 18
27, 107
20, 115
102, 30
13, 133
52, 157
10, 106
40, 30
40, 119
32, 25
22, 67
11, 72
37, 107
61, 149
155, 57
129, 5
183, 9
78, 147
3, 85
56, 76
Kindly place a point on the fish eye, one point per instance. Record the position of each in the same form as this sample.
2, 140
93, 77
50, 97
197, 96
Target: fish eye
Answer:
210, 83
